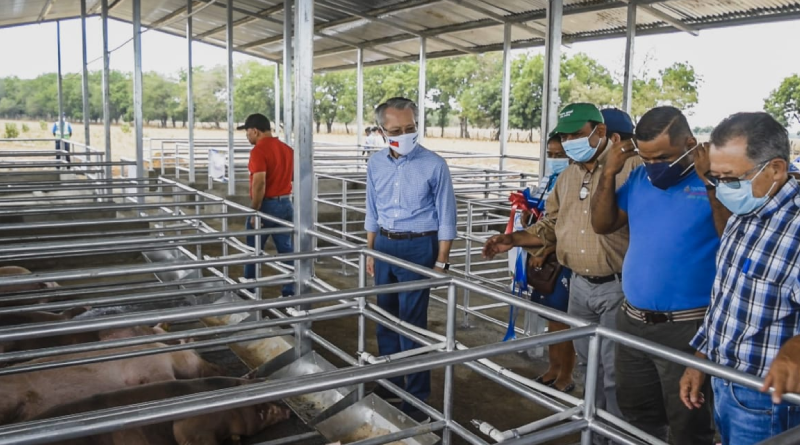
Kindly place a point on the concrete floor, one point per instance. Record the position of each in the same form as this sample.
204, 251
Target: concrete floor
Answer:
475, 397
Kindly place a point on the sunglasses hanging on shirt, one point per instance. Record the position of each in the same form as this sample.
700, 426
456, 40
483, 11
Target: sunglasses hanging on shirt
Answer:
584, 192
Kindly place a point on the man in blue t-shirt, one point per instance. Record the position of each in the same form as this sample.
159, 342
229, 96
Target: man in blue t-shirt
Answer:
668, 271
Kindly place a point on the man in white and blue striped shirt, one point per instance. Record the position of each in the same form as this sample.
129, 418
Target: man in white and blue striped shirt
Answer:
411, 214
753, 323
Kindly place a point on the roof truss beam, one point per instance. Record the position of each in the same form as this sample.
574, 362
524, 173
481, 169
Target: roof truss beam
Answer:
243, 21
668, 18
45, 10
172, 15
376, 19
496, 17
480, 24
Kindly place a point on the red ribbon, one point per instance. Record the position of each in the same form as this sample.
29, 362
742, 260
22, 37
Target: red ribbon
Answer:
518, 202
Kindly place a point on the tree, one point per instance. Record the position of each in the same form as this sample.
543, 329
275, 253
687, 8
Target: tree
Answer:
329, 89
120, 87
10, 95
527, 73
384, 82
444, 82
676, 85
210, 95
584, 79
481, 102
160, 98
254, 90
783, 103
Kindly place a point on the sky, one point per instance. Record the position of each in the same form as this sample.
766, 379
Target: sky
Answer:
739, 66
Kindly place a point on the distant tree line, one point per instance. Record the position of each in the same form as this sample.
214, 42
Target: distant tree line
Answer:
783, 103
466, 90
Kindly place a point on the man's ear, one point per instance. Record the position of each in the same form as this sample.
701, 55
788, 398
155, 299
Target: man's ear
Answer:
615, 138
601, 130
779, 168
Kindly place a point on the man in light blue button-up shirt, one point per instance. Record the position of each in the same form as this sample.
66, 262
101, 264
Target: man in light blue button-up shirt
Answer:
411, 214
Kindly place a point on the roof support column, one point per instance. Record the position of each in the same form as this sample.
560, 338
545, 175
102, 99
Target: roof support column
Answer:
627, 89
552, 74
229, 88
304, 193
137, 87
190, 88
423, 89
60, 118
85, 76
360, 97
106, 88
505, 95
288, 65
276, 89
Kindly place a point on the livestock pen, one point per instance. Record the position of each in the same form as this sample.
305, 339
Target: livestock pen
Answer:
137, 250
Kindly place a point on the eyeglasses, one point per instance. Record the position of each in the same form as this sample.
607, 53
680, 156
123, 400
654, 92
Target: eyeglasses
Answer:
400, 131
584, 192
736, 183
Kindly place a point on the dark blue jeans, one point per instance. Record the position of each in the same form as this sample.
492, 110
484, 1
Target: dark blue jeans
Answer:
411, 307
745, 416
66, 148
279, 208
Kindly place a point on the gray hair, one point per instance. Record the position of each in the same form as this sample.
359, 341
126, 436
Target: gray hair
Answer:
398, 103
766, 138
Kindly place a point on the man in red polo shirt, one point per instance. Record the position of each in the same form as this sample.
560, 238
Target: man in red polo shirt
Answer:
271, 169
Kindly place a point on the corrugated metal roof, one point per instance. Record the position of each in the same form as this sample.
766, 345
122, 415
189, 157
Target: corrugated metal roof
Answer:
389, 30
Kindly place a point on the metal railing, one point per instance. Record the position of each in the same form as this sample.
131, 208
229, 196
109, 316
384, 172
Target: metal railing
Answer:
172, 217
80, 159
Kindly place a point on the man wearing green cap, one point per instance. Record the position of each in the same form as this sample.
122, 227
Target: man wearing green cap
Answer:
596, 260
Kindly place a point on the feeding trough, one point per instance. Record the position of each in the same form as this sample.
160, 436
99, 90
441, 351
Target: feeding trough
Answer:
310, 406
371, 417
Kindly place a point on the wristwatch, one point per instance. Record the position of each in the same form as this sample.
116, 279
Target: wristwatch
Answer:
443, 266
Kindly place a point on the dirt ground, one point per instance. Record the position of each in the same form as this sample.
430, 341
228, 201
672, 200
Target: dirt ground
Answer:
123, 143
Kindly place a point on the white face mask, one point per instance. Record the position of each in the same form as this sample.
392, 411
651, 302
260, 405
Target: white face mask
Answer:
403, 144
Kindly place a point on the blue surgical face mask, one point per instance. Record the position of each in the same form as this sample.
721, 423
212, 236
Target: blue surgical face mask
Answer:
579, 149
740, 200
555, 166
664, 175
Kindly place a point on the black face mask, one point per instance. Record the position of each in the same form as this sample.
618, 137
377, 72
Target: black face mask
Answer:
664, 175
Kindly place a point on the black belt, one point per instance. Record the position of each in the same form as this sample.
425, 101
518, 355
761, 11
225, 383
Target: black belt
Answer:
656, 317
603, 280
406, 235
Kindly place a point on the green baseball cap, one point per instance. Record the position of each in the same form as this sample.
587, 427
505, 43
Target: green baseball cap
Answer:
575, 116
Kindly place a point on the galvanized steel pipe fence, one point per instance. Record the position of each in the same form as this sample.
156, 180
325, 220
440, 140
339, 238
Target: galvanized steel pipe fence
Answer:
176, 218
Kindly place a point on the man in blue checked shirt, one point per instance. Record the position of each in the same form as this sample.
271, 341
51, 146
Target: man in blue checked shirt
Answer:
411, 214
753, 322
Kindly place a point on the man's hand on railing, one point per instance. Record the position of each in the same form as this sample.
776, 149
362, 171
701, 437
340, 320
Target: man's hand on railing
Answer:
784, 374
691, 386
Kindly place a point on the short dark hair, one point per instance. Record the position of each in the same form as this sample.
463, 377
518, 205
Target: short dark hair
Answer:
766, 138
555, 137
664, 119
257, 121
